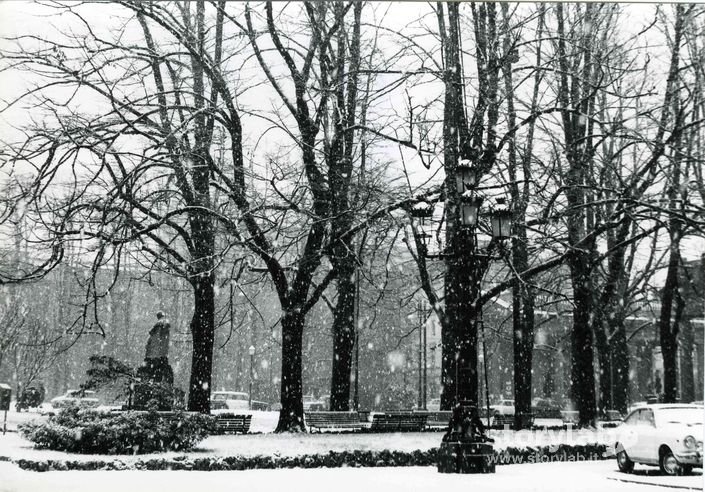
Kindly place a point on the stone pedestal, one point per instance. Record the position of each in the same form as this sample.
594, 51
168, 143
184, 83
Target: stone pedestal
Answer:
466, 457
465, 447
155, 388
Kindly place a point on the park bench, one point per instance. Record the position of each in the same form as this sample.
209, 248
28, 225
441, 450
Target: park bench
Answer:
499, 421
435, 420
228, 422
397, 421
333, 421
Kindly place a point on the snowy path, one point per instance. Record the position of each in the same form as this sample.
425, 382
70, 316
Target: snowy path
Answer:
589, 476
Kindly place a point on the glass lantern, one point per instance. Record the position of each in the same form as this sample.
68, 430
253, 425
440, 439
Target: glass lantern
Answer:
501, 220
469, 209
465, 176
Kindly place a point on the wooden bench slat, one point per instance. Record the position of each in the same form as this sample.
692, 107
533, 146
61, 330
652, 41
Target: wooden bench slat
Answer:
333, 420
398, 421
234, 422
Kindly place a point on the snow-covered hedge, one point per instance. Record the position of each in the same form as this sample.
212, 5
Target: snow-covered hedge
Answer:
331, 459
92, 432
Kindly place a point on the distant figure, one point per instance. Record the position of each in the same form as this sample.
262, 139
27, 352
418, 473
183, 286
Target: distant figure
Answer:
156, 356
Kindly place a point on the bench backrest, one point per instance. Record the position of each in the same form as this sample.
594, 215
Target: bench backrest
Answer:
331, 417
234, 422
399, 420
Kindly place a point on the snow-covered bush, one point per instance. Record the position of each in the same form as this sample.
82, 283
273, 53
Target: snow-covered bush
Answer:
331, 459
92, 432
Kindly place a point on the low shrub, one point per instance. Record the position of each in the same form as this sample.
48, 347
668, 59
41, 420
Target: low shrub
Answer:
91, 432
332, 459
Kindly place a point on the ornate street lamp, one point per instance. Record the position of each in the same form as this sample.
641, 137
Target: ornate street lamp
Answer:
501, 220
466, 176
252, 358
469, 208
422, 211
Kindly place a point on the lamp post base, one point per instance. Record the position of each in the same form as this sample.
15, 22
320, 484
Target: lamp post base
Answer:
465, 447
466, 457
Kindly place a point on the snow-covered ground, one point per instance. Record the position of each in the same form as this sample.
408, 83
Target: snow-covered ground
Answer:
546, 477
12, 446
261, 441
579, 476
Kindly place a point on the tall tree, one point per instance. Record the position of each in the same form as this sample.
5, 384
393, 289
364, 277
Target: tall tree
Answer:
158, 197
339, 159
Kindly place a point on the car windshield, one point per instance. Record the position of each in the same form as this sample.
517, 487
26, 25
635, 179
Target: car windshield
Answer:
689, 416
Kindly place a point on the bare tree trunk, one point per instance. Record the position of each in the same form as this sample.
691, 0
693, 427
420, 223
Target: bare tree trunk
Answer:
340, 177
522, 293
686, 358
581, 360
291, 414
202, 333
343, 339
668, 331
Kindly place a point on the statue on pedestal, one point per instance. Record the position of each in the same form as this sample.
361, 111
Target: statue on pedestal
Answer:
156, 358
156, 386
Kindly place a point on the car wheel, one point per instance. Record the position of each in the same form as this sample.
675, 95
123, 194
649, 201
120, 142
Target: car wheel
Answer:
623, 462
668, 463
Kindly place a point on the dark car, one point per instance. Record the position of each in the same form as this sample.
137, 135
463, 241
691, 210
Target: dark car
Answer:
31, 397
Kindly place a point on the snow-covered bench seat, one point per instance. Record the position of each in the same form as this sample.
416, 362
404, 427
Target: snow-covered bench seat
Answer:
334, 421
397, 421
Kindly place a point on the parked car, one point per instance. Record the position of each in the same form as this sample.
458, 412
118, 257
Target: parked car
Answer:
260, 405
434, 405
80, 398
545, 408
32, 397
664, 435
313, 404
635, 405
218, 405
503, 412
234, 400
611, 418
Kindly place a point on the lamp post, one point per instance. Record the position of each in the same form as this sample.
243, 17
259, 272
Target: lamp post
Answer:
422, 379
467, 265
252, 359
465, 448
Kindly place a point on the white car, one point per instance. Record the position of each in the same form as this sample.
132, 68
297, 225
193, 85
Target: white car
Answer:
664, 435
434, 405
234, 400
503, 412
80, 398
